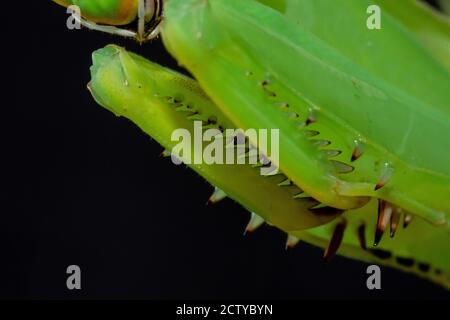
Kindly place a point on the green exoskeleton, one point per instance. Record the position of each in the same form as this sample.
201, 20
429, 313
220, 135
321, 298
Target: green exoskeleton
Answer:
363, 116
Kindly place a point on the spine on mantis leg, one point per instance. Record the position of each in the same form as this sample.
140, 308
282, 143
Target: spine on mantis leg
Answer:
161, 101
271, 66
417, 249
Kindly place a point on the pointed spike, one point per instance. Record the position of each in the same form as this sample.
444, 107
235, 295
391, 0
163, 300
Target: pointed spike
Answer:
312, 203
302, 195
335, 242
291, 241
358, 151
270, 93
217, 196
320, 142
309, 121
285, 183
386, 175
384, 217
183, 108
318, 206
407, 220
311, 133
254, 223
342, 167
331, 153
379, 185
293, 115
311, 118
362, 236
266, 83
212, 120
395, 221
166, 153
198, 117
282, 105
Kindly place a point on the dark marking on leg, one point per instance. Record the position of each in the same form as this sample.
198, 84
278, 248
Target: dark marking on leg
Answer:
381, 254
406, 262
395, 221
407, 220
424, 267
357, 152
384, 216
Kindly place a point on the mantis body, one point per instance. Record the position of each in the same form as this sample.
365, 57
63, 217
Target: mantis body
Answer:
363, 143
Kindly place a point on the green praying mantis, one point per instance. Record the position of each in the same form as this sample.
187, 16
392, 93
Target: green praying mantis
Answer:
363, 115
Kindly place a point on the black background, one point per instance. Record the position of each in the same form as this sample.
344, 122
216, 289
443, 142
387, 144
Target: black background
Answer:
87, 188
